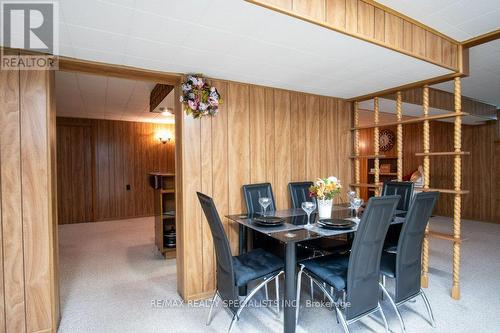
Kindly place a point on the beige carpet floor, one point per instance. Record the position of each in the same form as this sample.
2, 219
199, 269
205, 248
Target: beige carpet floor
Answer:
111, 275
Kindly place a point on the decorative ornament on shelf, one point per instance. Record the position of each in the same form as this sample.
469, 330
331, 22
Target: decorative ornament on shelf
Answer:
199, 98
324, 190
386, 140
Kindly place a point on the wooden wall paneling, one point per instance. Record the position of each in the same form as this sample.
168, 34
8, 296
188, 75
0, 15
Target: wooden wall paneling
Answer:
332, 140
238, 152
379, 25
325, 136
314, 9
128, 168
366, 19
407, 36
433, 48
495, 194
312, 137
344, 122
394, 30
103, 209
298, 136
282, 147
449, 53
220, 157
257, 104
35, 206
418, 41
208, 259
285, 4
192, 237
270, 139
336, 13
12, 223
351, 16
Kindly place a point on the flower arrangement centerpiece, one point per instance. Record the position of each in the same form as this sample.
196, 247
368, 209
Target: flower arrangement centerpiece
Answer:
199, 98
324, 190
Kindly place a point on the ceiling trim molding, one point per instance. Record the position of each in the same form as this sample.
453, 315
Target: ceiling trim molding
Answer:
482, 39
432, 47
431, 81
125, 72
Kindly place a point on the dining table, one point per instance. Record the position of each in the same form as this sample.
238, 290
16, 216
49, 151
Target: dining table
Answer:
292, 232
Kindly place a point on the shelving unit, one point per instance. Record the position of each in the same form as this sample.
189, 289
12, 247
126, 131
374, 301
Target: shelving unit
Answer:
164, 205
376, 177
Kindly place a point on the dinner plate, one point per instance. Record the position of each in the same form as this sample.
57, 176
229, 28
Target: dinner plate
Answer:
335, 222
337, 226
269, 221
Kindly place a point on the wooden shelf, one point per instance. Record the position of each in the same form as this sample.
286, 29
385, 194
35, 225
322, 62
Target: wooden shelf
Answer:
367, 156
441, 190
444, 153
384, 173
170, 190
378, 185
444, 236
415, 120
169, 252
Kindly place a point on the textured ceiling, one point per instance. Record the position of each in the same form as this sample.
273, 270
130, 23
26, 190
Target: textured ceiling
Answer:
234, 40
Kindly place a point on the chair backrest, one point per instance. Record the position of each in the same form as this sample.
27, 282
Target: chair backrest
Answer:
252, 193
225, 271
364, 262
408, 258
403, 189
299, 192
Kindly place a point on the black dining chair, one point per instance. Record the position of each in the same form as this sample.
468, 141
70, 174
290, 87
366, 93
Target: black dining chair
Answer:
236, 271
252, 194
405, 265
355, 274
405, 190
299, 193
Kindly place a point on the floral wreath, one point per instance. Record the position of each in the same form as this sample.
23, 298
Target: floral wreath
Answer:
199, 98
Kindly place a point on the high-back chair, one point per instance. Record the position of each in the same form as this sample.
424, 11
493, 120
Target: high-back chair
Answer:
405, 190
299, 193
357, 273
405, 265
252, 193
233, 272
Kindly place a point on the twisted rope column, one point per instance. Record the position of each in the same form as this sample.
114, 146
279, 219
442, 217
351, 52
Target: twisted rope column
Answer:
376, 145
356, 148
424, 281
457, 172
399, 136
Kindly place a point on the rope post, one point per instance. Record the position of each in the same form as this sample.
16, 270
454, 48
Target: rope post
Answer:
376, 145
424, 281
356, 148
399, 136
457, 172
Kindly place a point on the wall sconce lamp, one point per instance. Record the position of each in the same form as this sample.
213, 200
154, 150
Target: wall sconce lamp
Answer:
164, 136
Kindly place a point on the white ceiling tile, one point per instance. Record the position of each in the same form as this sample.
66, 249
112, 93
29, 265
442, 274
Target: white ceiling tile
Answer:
89, 38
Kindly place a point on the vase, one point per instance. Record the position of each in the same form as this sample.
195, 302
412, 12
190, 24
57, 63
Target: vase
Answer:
325, 208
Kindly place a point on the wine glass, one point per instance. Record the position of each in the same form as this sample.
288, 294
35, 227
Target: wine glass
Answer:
356, 204
264, 203
351, 195
308, 207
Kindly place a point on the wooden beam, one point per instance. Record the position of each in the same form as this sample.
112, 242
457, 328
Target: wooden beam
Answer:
415, 120
444, 153
482, 39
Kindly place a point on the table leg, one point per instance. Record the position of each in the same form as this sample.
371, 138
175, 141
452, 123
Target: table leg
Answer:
290, 288
243, 249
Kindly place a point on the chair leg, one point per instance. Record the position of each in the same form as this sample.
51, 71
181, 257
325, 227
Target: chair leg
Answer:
235, 317
383, 284
277, 284
401, 322
429, 309
266, 291
342, 320
299, 282
211, 307
384, 319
